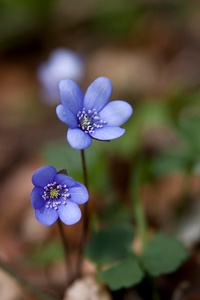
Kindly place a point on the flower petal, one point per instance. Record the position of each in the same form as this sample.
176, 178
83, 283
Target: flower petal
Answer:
43, 176
71, 95
66, 116
98, 93
116, 113
65, 179
107, 133
79, 194
36, 197
69, 213
78, 139
46, 216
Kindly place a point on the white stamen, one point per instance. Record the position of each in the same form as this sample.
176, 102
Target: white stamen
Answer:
53, 192
89, 120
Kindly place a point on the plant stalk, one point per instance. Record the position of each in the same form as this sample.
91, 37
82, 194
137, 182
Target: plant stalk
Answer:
85, 180
139, 215
85, 218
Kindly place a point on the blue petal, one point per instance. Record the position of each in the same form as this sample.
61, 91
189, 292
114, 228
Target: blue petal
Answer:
66, 116
36, 197
65, 179
116, 113
46, 216
43, 176
69, 213
107, 133
79, 194
71, 95
98, 93
78, 139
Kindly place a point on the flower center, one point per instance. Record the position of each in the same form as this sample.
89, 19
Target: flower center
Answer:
89, 120
55, 194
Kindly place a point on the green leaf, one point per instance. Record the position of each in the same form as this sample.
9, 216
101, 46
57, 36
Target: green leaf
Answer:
123, 275
163, 255
110, 244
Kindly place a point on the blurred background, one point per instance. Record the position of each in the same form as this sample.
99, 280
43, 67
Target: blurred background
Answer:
150, 51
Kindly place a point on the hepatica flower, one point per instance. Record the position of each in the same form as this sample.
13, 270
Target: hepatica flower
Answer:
56, 196
62, 64
90, 116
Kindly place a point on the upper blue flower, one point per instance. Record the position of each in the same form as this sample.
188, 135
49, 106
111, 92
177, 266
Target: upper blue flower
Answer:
56, 195
90, 116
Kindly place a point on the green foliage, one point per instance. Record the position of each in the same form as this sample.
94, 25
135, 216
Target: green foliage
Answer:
22, 20
185, 155
110, 244
124, 274
111, 250
163, 254
119, 267
115, 24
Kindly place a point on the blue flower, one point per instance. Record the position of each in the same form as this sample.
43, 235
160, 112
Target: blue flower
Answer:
62, 64
56, 196
90, 116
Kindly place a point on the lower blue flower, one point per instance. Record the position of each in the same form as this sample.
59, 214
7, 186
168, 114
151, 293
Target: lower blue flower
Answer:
56, 196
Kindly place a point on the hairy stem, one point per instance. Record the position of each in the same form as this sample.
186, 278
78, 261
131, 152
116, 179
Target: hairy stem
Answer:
85, 178
85, 218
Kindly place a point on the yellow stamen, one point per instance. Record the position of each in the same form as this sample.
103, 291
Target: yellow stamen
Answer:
54, 193
85, 122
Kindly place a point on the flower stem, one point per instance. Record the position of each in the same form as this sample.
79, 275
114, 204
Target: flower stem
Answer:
139, 215
85, 178
155, 295
66, 251
85, 218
